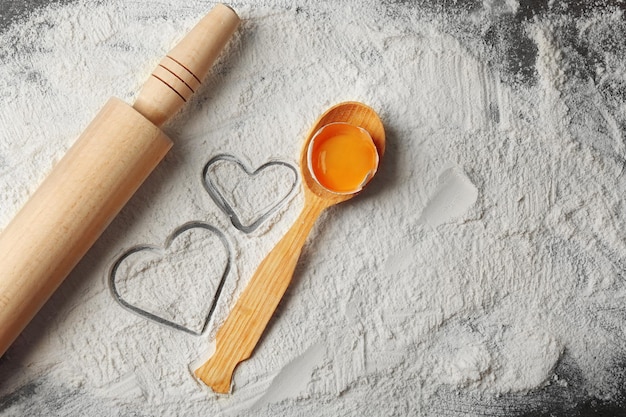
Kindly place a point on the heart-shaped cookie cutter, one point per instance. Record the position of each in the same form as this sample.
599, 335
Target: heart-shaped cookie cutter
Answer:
222, 201
153, 316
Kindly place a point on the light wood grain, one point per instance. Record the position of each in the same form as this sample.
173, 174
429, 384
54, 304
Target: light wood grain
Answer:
71, 208
180, 73
240, 333
97, 176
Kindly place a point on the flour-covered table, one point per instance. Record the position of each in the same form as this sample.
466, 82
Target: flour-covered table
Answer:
480, 273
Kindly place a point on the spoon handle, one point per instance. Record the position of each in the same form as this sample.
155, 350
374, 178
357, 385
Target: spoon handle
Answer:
243, 328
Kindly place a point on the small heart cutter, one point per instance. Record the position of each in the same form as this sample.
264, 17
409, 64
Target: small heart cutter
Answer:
228, 207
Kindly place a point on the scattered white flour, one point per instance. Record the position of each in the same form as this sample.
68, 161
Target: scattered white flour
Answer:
454, 196
393, 316
294, 378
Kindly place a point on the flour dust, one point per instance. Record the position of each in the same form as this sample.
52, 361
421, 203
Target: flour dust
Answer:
426, 294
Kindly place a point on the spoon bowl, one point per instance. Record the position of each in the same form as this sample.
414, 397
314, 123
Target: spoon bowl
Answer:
352, 113
241, 331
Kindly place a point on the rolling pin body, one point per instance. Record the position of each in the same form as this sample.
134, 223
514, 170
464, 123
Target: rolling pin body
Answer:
71, 208
97, 176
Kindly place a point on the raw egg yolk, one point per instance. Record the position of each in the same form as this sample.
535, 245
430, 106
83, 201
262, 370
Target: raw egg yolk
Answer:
342, 157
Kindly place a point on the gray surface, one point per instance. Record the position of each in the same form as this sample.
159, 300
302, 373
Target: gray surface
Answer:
12, 10
504, 35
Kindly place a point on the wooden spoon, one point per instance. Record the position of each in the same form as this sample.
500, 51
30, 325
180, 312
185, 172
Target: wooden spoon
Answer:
243, 328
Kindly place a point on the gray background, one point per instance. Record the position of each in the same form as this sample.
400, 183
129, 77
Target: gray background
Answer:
506, 34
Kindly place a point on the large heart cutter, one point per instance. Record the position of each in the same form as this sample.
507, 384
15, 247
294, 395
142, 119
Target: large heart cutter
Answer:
155, 316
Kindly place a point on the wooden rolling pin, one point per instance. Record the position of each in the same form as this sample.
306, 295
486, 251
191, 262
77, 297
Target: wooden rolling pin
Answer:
97, 176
